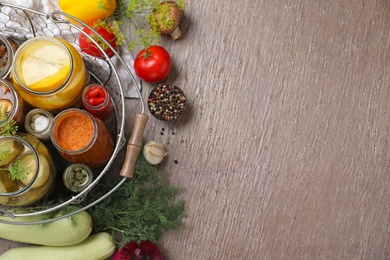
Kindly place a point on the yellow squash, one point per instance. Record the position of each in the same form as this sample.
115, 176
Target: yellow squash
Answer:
88, 11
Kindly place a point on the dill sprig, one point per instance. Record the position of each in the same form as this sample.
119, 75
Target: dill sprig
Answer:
18, 169
139, 22
8, 125
142, 208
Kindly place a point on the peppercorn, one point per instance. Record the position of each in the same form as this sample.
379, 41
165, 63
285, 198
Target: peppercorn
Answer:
167, 102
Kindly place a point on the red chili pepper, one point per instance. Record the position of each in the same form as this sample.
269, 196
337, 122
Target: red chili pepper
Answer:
93, 92
95, 101
101, 93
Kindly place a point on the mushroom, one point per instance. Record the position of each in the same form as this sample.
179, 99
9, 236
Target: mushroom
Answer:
175, 14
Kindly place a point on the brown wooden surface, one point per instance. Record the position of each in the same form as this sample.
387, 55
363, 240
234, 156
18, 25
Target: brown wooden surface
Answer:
284, 151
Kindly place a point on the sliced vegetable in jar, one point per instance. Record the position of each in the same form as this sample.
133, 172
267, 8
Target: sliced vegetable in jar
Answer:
30, 165
7, 185
9, 150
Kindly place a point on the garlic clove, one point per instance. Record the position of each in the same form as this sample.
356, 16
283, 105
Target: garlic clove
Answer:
154, 152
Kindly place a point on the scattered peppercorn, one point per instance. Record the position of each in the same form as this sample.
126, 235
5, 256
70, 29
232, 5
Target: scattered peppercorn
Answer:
176, 161
167, 102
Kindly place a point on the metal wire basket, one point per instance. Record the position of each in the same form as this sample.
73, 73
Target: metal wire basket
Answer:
21, 24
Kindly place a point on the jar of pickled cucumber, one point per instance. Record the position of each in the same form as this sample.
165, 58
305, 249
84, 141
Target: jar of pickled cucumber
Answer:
49, 73
27, 170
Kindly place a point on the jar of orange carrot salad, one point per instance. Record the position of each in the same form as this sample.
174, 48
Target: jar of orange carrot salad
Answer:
80, 137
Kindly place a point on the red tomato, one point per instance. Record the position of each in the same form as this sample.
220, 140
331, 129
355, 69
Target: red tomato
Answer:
87, 46
153, 64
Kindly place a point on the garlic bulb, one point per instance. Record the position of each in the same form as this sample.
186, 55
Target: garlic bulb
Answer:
154, 152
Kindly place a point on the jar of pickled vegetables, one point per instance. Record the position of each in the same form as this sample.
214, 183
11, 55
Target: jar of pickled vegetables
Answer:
27, 171
12, 106
77, 177
38, 123
97, 101
49, 73
80, 137
8, 48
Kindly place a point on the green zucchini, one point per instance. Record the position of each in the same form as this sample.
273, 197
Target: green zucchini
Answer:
98, 246
63, 232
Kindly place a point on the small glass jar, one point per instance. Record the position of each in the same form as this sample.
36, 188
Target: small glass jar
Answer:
97, 101
49, 73
13, 105
38, 123
27, 154
8, 48
77, 177
80, 137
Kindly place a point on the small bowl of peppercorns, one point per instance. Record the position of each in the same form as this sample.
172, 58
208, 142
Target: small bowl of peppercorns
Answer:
166, 102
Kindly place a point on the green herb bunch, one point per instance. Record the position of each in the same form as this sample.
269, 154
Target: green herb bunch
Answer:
8, 126
139, 22
142, 208
17, 171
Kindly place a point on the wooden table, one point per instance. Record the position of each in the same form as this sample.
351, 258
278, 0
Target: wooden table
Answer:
284, 151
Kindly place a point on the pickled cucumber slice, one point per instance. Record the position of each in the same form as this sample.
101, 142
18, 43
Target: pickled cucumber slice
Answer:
9, 150
6, 185
29, 163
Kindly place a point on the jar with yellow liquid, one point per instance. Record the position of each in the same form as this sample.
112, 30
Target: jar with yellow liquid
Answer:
49, 73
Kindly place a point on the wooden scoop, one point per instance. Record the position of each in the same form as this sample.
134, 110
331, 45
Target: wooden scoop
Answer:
134, 146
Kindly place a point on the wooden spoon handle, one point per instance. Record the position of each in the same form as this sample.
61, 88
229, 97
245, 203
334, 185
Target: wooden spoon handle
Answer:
134, 146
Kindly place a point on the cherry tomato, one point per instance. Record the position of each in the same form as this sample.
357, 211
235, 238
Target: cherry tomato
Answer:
87, 46
153, 64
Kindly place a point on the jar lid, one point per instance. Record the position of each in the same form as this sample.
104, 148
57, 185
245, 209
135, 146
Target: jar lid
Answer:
42, 64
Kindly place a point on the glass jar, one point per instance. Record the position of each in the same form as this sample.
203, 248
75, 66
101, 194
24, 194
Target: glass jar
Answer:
38, 123
97, 101
30, 157
8, 48
49, 73
81, 137
77, 177
12, 104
